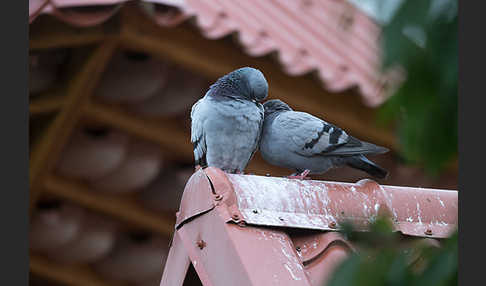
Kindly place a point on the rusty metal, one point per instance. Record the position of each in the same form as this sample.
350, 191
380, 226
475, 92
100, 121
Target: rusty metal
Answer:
242, 223
201, 244
261, 255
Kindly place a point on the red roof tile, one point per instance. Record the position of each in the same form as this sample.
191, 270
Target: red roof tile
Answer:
333, 38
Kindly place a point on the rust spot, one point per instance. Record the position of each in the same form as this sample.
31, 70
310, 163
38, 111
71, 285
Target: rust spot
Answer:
343, 68
222, 14
242, 223
303, 52
262, 33
307, 3
346, 21
201, 244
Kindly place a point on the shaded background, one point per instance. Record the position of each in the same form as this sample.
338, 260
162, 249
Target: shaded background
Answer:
112, 83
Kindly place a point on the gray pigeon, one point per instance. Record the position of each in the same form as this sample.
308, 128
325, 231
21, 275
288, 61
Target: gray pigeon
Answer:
300, 141
226, 123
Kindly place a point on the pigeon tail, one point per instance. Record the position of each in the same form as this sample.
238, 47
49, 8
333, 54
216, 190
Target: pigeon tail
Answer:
362, 163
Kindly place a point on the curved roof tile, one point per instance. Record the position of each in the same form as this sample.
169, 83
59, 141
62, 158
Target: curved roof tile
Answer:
331, 37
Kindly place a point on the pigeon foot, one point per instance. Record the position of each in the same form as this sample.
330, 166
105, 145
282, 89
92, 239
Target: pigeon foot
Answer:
301, 176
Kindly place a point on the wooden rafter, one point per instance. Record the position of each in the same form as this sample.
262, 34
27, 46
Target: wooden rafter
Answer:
118, 206
168, 137
174, 141
46, 104
47, 151
50, 33
75, 275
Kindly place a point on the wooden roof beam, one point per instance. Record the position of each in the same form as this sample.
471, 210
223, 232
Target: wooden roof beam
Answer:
46, 153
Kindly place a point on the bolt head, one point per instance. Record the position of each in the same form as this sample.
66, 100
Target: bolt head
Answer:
255, 211
332, 224
298, 248
428, 231
218, 197
235, 217
201, 244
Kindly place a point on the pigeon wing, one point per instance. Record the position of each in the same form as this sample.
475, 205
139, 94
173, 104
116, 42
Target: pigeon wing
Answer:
198, 139
312, 136
260, 128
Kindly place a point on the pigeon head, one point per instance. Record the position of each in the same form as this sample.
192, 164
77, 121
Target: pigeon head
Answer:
243, 83
275, 105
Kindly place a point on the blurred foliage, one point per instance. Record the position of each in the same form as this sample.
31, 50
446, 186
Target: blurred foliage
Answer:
421, 37
384, 259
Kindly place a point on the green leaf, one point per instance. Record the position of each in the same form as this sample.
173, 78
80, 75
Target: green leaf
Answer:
424, 108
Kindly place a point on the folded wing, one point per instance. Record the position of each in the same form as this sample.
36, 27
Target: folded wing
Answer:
311, 136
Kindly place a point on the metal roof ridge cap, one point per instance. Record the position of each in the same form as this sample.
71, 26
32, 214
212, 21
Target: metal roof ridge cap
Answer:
222, 187
270, 203
195, 201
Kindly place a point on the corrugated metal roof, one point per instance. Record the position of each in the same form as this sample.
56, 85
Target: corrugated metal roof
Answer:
333, 38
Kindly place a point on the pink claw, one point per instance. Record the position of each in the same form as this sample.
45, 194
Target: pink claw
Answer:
302, 176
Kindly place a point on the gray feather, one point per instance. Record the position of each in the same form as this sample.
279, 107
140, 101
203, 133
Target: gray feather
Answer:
226, 123
301, 141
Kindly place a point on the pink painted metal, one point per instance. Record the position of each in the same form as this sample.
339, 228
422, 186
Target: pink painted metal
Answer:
316, 204
255, 230
100, 12
333, 38
270, 201
321, 253
35, 8
196, 199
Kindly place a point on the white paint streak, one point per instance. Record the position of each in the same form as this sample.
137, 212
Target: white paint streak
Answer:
441, 202
291, 272
419, 214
